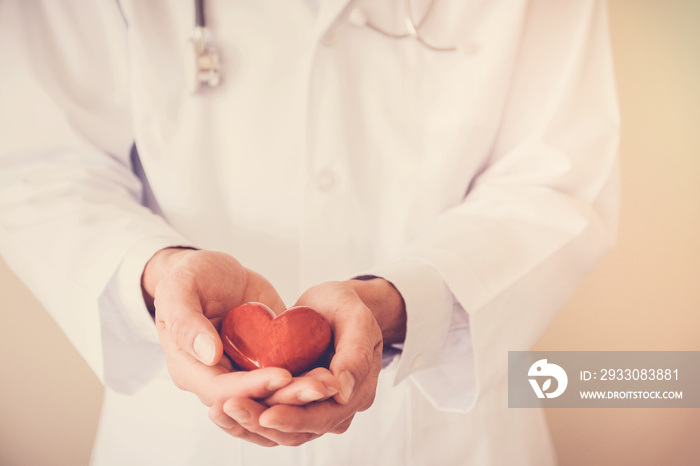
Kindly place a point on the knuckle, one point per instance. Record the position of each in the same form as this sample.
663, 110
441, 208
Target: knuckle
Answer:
343, 426
328, 425
214, 414
364, 357
366, 405
160, 323
178, 384
368, 400
178, 330
176, 376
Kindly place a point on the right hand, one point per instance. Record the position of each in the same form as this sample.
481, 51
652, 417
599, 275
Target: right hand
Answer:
192, 291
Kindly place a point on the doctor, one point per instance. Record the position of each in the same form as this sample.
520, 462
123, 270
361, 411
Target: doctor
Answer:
465, 157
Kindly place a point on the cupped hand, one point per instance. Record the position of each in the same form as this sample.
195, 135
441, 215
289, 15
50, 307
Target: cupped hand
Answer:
192, 291
355, 366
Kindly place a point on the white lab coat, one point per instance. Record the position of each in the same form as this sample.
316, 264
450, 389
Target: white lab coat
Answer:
482, 183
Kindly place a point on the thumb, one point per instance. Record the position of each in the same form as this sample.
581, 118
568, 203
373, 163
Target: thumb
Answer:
182, 326
357, 339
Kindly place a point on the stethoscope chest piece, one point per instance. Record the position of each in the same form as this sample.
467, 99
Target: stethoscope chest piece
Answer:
203, 66
203, 63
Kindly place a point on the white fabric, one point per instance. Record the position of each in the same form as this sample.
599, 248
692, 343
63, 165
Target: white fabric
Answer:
482, 184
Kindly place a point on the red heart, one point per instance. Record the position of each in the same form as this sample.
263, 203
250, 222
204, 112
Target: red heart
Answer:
297, 340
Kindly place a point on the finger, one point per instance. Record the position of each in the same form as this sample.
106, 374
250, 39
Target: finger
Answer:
322, 417
316, 418
230, 426
357, 338
226, 363
179, 318
246, 413
253, 385
256, 384
189, 374
220, 418
343, 426
213, 383
317, 384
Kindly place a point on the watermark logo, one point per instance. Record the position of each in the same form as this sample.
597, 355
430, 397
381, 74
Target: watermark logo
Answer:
543, 370
604, 379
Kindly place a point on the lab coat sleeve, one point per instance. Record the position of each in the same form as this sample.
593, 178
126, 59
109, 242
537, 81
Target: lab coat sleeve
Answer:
533, 223
71, 216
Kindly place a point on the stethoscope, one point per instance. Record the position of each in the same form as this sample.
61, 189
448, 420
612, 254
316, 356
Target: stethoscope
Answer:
359, 18
206, 71
207, 64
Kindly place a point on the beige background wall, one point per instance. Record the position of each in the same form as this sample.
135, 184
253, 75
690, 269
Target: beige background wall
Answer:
644, 296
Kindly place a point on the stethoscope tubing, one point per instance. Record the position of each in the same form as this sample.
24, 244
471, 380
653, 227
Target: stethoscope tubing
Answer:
207, 62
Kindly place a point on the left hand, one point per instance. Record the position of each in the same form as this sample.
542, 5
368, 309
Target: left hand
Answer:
355, 365
191, 291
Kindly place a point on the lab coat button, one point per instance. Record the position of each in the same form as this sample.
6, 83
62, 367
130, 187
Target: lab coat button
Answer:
416, 362
329, 38
325, 181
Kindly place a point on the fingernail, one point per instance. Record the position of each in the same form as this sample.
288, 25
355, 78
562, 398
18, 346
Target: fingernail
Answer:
347, 385
240, 415
227, 423
309, 395
278, 382
204, 348
270, 425
331, 391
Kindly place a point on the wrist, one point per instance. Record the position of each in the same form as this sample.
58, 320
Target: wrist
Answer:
158, 267
387, 306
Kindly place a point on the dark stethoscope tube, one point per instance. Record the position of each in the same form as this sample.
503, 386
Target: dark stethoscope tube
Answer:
207, 66
199, 19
